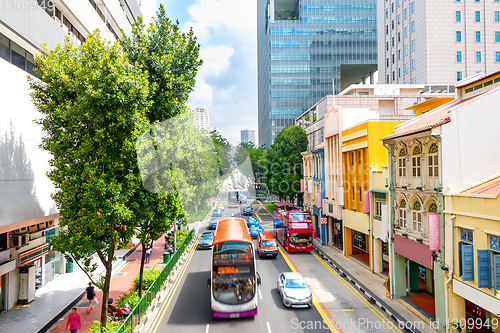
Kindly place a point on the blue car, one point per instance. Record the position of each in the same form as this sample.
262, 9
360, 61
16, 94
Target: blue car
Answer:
255, 230
248, 210
212, 225
249, 196
217, 212
252, 221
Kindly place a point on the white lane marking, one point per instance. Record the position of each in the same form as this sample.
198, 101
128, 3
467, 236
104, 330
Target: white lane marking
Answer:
206, 329
260, 295
268, 327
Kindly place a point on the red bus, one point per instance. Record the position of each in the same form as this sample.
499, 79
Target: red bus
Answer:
293, 227
234, 281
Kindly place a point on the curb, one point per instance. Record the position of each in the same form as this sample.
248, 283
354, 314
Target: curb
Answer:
371, 297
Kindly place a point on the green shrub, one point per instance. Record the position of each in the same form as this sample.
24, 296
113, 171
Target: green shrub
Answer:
270, 207
148, 277
131, 298
111, 327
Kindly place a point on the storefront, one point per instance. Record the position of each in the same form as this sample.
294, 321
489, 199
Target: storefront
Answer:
35, 257
337, 234
360, 246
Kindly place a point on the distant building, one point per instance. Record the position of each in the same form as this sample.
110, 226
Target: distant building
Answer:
248, 135
200, 116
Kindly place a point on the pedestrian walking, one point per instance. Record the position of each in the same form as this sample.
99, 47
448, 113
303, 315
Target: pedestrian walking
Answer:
90, 296
169, 248
74, 321
148, 255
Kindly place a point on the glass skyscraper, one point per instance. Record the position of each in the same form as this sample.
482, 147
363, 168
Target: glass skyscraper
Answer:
302, 46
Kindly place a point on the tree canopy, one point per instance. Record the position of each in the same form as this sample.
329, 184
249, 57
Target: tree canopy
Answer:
283, 162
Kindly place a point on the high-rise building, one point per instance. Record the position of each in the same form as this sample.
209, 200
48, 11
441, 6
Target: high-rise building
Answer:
248, 135
302, 46
437, 41
28, 215
200, 117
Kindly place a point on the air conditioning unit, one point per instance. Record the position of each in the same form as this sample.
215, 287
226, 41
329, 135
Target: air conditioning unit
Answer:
19, 240
33, 228
50, 223
72, 35
42, 226
65, 28
58, 21
22, 230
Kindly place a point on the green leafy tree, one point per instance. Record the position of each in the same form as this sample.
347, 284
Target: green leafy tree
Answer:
170, 59
248, 150
283, 162
223, 149
93, 106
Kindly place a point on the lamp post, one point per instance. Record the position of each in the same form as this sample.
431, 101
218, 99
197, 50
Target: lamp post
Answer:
175, 235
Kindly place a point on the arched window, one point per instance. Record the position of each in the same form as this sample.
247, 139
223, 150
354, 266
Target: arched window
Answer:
417, 216
415, 165
402, 214
432, 164
402, 167
433, 208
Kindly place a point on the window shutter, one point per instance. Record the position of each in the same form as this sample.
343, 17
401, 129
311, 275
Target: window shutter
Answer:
496, 274
483, 269
467, 262
460, 271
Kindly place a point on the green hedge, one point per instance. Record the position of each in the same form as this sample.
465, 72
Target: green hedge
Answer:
148, 276
131, 298
111, 327
270, 207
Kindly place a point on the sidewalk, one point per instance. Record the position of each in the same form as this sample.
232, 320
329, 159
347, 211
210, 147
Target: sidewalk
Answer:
372, 285
52, 300
121, 282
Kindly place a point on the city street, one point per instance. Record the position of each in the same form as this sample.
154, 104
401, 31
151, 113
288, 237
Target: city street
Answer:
335, 300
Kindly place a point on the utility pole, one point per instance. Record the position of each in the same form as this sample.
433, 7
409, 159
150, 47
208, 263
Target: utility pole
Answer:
175, 235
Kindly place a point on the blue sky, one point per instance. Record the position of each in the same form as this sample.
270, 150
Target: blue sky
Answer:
227, 81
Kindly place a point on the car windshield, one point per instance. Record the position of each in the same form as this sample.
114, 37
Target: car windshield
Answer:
207, 236
295, 283
300, 239
268, 243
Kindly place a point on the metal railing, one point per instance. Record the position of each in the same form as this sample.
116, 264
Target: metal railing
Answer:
138, 311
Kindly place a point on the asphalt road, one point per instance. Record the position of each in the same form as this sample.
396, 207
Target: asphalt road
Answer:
338, 307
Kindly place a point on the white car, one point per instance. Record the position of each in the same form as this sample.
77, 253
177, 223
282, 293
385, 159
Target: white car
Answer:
243, 198
294, 290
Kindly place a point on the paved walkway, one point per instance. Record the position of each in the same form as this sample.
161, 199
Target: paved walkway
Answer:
375, 284
121, 283
52, 300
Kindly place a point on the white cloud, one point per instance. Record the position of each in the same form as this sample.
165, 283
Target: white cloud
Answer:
226, 83
216, 59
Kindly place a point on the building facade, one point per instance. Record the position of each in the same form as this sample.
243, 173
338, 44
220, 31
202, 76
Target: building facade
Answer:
438, 239
200, 117
436, 41
248, 135
28, 216
303, 47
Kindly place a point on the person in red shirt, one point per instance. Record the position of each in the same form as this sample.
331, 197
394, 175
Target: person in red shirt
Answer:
74, 321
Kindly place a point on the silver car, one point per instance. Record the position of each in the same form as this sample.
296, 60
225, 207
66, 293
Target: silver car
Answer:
294, 290
206, 241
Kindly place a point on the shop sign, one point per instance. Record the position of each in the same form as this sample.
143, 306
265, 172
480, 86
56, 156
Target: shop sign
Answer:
33, 254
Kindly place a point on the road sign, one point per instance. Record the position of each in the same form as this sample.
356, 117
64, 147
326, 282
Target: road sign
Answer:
323, 220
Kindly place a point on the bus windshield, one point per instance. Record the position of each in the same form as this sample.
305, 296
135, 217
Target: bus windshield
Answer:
233, 272
299, 217
300, 239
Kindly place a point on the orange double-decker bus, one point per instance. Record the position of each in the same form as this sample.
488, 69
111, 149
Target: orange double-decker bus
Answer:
234, 279
293, 227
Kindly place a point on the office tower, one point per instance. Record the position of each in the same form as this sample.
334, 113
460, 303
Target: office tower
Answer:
28, 215
437, 41
248, 135
302, 45
200, 117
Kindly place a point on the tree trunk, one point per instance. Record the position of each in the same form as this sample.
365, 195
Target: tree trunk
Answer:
105, 290
143, 256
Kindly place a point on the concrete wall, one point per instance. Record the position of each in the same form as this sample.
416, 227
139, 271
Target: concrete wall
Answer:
471, 139
25, 189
